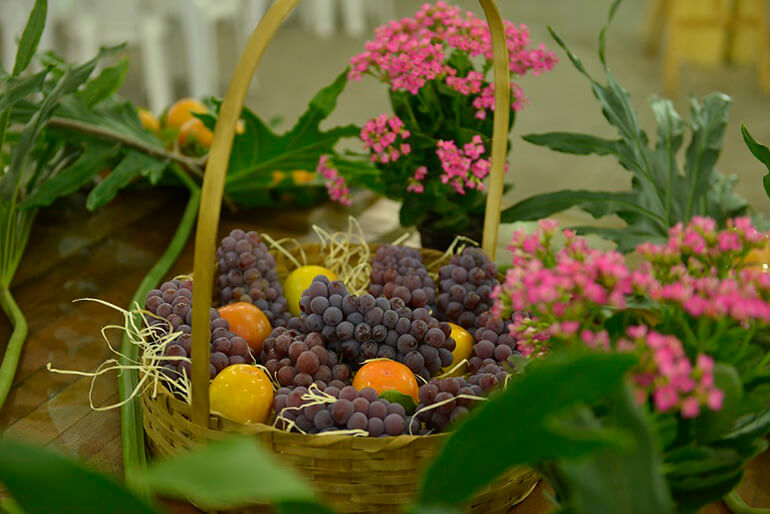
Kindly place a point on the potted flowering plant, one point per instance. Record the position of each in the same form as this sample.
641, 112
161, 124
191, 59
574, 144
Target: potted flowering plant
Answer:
695, 314
432, 151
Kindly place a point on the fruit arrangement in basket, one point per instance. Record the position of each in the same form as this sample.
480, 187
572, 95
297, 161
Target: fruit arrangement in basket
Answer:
374, 357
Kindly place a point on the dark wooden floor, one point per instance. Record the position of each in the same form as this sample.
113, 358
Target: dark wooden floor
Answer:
74, 254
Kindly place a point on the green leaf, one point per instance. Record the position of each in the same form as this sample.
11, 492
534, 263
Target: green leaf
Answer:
519, 424
105, 84
133, 165
708, 122
69, 82
15, 89
597, 203
259, 151
406, 401
43, 481
759, 151
228, 474
572, 143
72, 178
31, 36
714, 424
615, 481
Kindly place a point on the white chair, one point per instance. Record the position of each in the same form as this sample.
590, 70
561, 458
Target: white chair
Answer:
320, 15
199, 20
94, 23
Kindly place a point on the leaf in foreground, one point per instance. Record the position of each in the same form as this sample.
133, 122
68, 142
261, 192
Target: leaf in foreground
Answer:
517, 425
41, 480
614, 481
231, 473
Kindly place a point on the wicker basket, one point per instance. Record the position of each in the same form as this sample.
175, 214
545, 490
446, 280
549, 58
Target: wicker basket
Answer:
352, 474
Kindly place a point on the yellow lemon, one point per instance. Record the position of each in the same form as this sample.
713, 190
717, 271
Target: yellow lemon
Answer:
242, 393
463, 349
758, 259
299, 280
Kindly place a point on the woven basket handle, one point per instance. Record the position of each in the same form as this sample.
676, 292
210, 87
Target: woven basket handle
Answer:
219, 156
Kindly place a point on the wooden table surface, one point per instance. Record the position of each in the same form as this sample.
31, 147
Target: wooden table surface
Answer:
74, 254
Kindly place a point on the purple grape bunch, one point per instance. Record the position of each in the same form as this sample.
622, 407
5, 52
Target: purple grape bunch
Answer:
452, 407
171, 309
494, 343
363, 327
465, 286
348, 409
247, 274
297, 359
398, 272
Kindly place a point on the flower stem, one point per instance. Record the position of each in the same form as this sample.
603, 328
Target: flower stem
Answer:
132, 431
15, 343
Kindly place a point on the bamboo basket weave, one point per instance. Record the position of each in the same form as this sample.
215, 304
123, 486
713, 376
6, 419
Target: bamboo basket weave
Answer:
352, 474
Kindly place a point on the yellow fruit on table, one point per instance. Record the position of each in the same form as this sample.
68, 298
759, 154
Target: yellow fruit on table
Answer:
463, 349
387, 375
302, 176
242, 393
194, 130
248, 321
758, 259
299, 280
149, 120
182, 112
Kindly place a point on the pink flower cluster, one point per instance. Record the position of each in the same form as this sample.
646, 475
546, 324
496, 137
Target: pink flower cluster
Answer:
408, 53
415, 183
702, 249
693, 280
384, 137
463, 167
665, 374
335, 183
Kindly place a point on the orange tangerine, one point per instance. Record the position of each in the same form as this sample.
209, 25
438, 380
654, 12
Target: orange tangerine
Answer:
387, 375
194, 130
182, 112
149, 120
249, 322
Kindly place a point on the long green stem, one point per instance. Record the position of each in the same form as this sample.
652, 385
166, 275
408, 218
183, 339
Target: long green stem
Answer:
15, 343
738, 506
132, 431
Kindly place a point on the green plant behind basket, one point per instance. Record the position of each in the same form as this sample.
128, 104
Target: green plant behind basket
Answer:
759, 151
662, 193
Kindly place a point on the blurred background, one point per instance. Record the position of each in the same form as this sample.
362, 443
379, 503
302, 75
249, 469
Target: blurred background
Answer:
673, 48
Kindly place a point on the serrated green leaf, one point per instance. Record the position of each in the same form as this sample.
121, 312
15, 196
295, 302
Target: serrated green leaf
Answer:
133, 165
105, 84
72, 178
30, 38
69, 82
229, 474
41, 480
708, 121
537, 397
259, 151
